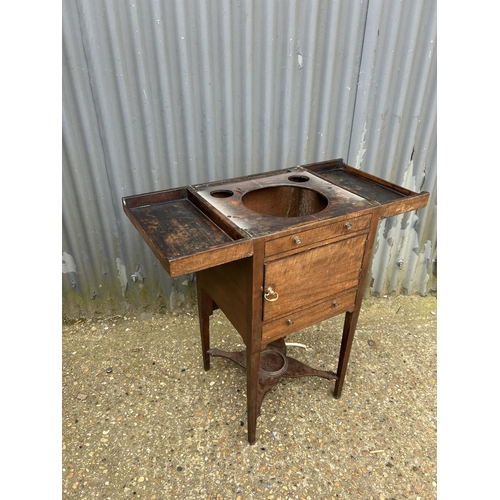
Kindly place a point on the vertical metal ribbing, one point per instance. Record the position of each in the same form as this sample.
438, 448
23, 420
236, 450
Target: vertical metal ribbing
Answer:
164, 94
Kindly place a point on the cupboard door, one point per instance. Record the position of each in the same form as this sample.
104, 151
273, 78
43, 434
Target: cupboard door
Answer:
307, 277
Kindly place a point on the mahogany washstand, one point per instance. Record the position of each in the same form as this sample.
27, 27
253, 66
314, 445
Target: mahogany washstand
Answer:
276, 252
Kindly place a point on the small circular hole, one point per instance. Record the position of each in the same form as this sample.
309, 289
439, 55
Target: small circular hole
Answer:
223, 193
298, 178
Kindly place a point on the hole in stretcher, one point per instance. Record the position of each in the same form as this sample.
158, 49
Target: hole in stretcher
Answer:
285, 201
222, 193
272, 363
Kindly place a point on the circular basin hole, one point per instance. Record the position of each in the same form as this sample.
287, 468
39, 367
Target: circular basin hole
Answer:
221, 193
285, 201
298, 178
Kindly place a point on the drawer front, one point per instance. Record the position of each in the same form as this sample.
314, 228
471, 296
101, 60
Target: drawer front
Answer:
303, 239
295, 281
297, 320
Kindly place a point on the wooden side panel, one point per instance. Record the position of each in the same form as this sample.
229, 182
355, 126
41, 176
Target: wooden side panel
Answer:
313, 275
230, 287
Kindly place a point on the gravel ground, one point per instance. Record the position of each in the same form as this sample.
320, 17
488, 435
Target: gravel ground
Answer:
142, 419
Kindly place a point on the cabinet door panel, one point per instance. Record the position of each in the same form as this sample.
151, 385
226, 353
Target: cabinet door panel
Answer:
313, 275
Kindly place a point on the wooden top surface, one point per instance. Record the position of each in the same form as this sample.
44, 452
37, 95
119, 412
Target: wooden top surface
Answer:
393, 199
334, 201
198, 227
181, 236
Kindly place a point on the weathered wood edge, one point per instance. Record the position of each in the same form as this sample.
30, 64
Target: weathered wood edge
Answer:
408, 202
240, 247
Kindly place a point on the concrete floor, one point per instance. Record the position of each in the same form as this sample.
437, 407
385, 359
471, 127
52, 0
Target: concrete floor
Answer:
142, 419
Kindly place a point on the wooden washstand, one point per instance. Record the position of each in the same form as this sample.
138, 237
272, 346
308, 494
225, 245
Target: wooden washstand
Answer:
276, 252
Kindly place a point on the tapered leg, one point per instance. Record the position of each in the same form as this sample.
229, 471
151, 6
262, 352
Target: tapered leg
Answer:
253, 365
205, 310
345, 349
351, 318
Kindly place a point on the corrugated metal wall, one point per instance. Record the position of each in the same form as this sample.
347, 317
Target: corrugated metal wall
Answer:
394, 136
161, 94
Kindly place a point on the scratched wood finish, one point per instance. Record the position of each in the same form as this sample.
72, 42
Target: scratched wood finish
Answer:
269, 204
178, 226
181, 236
392, 198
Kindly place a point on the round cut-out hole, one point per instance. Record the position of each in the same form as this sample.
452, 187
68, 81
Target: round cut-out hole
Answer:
272, 363
222, 193
298, 178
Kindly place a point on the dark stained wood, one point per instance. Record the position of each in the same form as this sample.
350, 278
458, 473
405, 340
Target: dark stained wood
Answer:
276, 252
154, 197
205, 310
224, 223
269, 204
393, 199
254, 318
351, 317
178, 226
182, 237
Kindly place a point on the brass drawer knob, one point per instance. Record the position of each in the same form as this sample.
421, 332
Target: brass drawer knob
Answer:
289, 322
296, 240
347, 225
335, 303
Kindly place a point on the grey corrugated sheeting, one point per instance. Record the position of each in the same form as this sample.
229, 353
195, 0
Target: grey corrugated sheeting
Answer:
164, 94
394, 136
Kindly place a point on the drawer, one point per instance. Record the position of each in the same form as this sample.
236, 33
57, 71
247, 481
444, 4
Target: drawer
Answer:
304, 239
295, 281
297, 320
